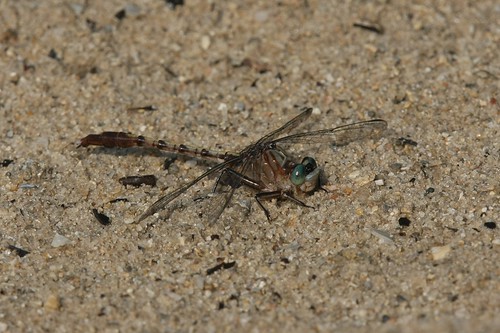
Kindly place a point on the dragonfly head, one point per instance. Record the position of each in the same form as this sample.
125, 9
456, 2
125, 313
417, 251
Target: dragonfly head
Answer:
306, 175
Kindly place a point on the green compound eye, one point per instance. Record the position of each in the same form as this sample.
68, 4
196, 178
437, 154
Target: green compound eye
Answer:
298, 175
310, 164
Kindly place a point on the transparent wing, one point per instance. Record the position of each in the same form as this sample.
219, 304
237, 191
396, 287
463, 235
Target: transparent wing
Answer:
341, 135
165, 200
226, 191
285, 128
218, 204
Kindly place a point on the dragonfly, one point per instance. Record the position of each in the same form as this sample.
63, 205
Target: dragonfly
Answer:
263, 166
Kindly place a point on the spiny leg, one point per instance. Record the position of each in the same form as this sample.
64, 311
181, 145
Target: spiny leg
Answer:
235, 179
239, 179
277, 195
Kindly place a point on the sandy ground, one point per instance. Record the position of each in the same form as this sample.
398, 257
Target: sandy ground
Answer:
416, 250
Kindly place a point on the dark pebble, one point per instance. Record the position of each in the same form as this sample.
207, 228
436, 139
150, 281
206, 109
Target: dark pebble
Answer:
490, 225
404, 222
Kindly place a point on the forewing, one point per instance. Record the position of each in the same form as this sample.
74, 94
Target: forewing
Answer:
286, 127
339, 136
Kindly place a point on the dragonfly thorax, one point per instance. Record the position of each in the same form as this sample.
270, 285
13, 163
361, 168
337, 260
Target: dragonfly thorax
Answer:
303, 176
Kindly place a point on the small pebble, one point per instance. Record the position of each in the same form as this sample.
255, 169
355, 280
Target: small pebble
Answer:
355, 174
132, 9
191, 163
430, 190
28, 186
121, 14
360, 178
6, 163
174, 3
128, 221
490, 225
329, 78
262, 16
240, 106
382, 234
385, 318
440, 252
205, 42
60, 240
404, 221
102, 218
222, 107
316, 111
52, 303
76, 8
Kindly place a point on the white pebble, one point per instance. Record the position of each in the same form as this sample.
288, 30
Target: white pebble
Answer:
382, 235
60, 240
440, 252
205, 42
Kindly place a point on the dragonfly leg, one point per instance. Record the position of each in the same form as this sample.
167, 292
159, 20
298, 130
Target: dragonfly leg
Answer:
277, 195
290, 197
267, 196
235, 179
